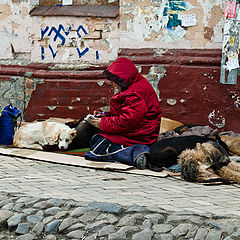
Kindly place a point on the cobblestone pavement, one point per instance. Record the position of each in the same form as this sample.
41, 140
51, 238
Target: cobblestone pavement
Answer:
173, 209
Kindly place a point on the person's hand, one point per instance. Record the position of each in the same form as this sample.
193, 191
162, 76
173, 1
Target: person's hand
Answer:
97, 122
98, 114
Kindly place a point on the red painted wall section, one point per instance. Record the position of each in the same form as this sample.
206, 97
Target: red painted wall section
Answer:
68, 94
190, 91
187, 81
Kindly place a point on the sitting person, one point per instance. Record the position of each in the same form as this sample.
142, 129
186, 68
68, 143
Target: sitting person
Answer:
133, 122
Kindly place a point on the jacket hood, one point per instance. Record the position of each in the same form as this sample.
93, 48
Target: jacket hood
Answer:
122, 71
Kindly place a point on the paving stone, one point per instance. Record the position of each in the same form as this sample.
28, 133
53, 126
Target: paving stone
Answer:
41, 205
76, 226
55, 202
129, 229
32, 202
52, 210
88, 216
146, 234
28, 211
78, 234
8, 206
119, 235
126, 220
236, 234
106, 230
110, 218
155, 218
4, 216
147, 223
134, 208
15, 219
48, 219
22, 228
50, 237
67, 223
52, 227
163, 236
181, 230
61, 214
91, 237
33, 219
201, 233
79, 211
213, 235
162, 228
38, 228
105, 207
95, 226
27, 236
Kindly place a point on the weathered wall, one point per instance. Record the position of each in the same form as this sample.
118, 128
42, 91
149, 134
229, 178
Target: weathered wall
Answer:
92, 40
74, 40
155, 23
51, 66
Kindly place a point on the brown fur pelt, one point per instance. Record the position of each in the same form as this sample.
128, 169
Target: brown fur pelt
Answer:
198, 164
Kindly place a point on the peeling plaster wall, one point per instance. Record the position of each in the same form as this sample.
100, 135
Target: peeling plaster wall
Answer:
143, 24
55, 39
95, 40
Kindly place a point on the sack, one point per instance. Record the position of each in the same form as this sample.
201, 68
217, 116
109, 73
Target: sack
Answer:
8, 121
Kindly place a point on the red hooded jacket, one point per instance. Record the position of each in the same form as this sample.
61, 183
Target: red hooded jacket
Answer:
135, 113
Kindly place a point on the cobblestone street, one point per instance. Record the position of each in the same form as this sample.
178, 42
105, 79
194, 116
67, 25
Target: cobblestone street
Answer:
161, 208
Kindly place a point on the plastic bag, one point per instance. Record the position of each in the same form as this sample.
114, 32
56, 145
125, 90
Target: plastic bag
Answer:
8, 121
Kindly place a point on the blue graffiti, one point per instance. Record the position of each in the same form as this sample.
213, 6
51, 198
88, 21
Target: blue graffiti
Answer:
97, 55
83, 29
42, 53
61, 33
80, 54
43, 31
57, 33
53, 53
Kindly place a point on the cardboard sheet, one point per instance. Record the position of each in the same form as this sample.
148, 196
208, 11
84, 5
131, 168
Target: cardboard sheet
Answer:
76, 161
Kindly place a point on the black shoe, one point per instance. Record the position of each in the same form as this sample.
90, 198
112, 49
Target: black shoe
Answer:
141, 161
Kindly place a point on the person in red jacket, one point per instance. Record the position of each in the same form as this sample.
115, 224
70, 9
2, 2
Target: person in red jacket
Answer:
133, 122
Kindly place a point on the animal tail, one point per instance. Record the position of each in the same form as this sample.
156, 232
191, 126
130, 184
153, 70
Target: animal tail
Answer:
228, 174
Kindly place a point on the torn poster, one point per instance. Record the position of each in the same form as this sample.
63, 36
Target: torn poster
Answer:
227, 26
180, 31
188, 20
232, 62
230, 10
67, 2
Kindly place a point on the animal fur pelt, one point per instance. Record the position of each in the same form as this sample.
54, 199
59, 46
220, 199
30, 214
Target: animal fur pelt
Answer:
207, 158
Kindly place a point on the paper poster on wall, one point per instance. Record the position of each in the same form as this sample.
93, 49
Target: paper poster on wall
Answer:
188, 20
171, 9
230, 10
180, 31
67, 2
227, 26
232, 62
